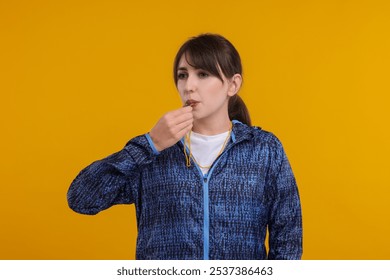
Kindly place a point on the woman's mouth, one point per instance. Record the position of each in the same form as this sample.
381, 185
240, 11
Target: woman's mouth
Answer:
191, 102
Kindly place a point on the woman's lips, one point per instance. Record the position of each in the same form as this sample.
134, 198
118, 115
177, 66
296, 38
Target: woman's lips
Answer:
191, 103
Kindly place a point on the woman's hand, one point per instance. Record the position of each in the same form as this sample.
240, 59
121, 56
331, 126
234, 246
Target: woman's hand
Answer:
171, 127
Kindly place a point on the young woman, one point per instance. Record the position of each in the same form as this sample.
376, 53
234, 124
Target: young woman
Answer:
205, 183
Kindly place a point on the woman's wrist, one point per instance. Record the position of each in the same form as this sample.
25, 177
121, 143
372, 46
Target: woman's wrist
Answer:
152, 142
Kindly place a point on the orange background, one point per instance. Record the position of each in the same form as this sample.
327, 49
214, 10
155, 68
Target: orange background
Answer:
78, 79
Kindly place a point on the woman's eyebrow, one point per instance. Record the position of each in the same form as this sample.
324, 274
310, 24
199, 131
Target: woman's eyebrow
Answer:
182, 68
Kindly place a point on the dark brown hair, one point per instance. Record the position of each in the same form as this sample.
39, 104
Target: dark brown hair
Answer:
207, 52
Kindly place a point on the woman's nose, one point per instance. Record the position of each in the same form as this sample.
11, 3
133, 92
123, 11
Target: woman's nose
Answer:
190, 83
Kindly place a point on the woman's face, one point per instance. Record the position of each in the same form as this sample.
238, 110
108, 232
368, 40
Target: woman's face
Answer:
204, 92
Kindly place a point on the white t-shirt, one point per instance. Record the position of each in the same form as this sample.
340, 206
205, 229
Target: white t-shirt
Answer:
205, 148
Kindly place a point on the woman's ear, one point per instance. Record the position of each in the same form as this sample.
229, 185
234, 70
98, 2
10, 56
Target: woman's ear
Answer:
235, 84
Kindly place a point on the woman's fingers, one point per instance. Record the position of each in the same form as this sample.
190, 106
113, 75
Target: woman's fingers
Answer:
180, 111
172, 127
183, 127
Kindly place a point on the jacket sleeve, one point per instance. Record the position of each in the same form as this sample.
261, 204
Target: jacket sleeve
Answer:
285, 217
111, 180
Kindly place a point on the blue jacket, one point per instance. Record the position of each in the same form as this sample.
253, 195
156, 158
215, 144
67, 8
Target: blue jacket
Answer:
183, 214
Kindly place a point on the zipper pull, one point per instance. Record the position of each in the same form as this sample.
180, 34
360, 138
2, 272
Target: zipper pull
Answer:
205, 179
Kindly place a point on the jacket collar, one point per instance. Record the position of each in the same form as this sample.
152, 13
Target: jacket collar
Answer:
240, 132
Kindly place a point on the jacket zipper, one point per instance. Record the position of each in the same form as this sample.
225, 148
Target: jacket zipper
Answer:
206, 219
206, 216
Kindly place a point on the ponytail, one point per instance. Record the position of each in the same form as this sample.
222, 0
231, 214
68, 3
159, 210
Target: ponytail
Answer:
238, 110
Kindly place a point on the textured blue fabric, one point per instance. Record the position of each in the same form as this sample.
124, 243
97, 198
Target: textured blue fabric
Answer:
183, 214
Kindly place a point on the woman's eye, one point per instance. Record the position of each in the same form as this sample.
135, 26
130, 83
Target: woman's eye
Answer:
181, 76
203, 74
